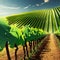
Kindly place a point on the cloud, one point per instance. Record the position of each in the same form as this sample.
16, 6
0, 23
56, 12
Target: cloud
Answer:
27, 7
46, 1
8, 7
3, 13
37, 4
40, 4
7, 10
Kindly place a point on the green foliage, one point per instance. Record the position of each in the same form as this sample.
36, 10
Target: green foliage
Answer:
25, 34
19, 36
16, 32
59, 29
4, 30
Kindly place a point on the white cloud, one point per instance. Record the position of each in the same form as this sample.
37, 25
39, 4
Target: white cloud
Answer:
7, 10
8, 7
40, 4
46, 1
3, 13
27, 7
37, 4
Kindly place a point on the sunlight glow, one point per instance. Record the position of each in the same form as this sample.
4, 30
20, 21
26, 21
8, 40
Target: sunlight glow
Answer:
46, 1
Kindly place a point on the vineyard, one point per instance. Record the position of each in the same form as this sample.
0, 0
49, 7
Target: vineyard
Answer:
30, 35
47, 19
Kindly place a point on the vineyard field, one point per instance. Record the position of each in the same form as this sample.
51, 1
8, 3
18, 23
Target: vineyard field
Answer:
32, 35
48, 19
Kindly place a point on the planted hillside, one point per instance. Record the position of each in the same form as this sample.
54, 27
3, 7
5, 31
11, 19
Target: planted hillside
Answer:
47, 19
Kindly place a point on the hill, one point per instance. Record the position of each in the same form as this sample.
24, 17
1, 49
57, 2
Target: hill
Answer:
48, 19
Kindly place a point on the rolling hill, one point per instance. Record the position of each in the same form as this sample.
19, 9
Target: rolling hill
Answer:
47, 19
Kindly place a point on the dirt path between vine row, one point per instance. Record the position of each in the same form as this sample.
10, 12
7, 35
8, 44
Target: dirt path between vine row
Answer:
50, 51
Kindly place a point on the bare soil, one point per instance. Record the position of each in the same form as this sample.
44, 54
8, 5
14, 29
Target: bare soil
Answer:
50, 51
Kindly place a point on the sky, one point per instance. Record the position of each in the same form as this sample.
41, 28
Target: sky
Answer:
10, 7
